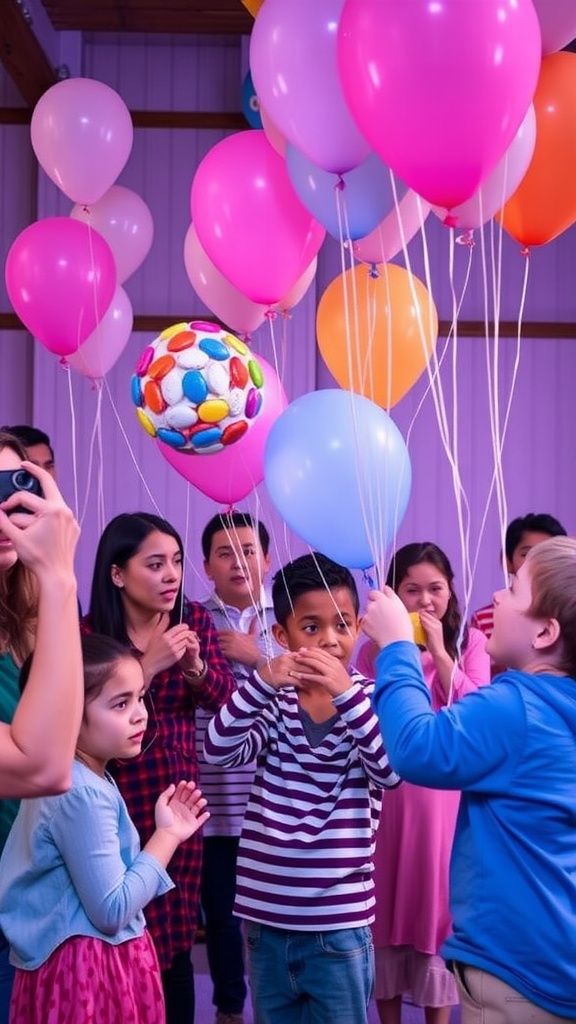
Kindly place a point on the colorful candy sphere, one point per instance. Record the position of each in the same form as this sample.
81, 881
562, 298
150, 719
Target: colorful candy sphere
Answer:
197, 388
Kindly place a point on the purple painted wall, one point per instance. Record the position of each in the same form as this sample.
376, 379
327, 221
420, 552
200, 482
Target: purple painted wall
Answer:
108, 464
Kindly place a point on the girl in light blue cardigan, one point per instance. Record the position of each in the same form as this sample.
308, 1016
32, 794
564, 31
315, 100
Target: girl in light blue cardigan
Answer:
73, 879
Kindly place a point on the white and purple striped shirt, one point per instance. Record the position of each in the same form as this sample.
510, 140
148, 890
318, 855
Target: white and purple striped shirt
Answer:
307, 842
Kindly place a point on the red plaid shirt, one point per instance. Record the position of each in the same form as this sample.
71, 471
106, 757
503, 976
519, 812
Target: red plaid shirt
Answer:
168, 755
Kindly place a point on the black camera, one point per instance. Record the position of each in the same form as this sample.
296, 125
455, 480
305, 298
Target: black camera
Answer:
14, 480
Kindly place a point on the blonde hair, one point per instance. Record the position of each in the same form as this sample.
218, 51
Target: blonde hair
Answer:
552, 568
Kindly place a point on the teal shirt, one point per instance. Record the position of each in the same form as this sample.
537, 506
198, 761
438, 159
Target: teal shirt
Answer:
9, 697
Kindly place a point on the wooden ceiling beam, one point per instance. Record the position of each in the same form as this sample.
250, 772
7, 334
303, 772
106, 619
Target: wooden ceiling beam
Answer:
22, 54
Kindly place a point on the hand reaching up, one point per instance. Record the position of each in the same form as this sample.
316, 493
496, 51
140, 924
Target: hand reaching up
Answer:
44, 537
180, 810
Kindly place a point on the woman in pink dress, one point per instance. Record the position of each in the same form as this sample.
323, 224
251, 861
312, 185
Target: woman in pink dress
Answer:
417, 824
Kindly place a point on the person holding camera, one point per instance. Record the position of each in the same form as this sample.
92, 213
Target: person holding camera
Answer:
39, 614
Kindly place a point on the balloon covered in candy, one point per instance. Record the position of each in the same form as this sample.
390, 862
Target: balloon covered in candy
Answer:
197, 388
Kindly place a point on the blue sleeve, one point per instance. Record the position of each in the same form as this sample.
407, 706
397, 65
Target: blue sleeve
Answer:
85, 831
473, 745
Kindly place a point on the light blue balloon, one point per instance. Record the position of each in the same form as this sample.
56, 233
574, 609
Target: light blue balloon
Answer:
338, 471
366, 192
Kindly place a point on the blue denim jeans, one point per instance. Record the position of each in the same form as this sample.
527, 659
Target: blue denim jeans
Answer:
310, 977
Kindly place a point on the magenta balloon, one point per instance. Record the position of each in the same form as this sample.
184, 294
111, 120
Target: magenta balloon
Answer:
299, 290
97, 355
230, 475
125, 221
439, 89
295, 74
394, 232
249, 220
82, 135
557, 23
499, 185
60, 278
224, 300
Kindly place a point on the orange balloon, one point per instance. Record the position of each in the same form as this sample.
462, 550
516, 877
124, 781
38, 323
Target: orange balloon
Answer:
544, 204
383, 345
253, 6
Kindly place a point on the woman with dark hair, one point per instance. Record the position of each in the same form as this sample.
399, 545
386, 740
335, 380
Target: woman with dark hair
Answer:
137, 598
417, 824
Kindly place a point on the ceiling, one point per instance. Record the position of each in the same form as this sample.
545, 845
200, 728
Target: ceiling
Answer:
173, 16
29, 67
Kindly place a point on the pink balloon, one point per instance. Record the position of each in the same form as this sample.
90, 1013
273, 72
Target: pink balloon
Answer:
249, 220
439, 89
230, 475
293, 297
125, 221
60, 277
499, 185
273, 134
557, 23
82, 135
295, 74
224, 300
97, 355
394, 232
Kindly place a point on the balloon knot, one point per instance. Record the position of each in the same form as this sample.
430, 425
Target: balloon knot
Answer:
373, 272
340, 184
64, 363
271, 314
525, 251
368, 579
450, 220
246, 337
466, 239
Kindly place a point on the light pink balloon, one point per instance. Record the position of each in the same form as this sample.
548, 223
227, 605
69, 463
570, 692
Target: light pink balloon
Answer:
60, 278
82, 136
125, 221
395, 231
295, 74
557, 23
97, 355
499, 185
273, 134
439, 89
249, 220
230, 475
293, 297
224, 300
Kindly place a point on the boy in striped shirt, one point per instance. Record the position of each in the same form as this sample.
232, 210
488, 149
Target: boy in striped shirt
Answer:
304, 875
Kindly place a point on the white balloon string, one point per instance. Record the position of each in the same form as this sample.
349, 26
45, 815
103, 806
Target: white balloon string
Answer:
66, 367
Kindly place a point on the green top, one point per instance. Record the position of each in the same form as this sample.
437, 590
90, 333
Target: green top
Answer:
9, 696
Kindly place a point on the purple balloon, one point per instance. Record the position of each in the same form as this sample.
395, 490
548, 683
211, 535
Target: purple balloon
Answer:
294, 70
365, 193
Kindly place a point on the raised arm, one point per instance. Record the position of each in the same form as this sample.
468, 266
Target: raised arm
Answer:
36, 750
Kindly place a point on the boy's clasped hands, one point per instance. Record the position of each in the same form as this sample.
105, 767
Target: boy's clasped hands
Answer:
305, 669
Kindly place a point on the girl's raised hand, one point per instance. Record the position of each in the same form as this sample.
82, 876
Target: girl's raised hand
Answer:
45, 536
180, 811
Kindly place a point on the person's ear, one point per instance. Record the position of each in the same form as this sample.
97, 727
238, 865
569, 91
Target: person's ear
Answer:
280, 635
116, 576
547, 635
207, 569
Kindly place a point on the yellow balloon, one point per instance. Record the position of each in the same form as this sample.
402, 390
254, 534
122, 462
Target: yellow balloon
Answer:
253, 6
378, 342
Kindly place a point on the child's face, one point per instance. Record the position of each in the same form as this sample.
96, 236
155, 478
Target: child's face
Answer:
528, 540
322, 618
115, 721
237, 565
425, 589
511, 643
